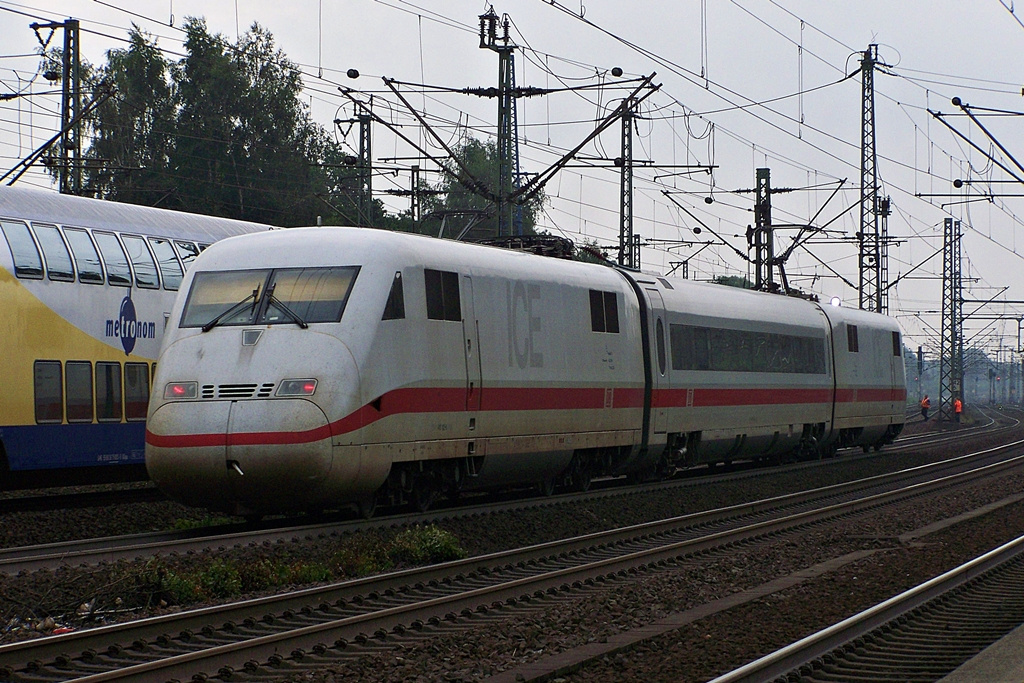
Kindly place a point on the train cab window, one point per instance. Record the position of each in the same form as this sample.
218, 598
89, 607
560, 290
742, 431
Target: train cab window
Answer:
48, 395
296, 295
897, 344
187, 252
443, 301
58, 259
394, 309
852, 343
136, 391
604, 312
316, 295
27, 262
87, 259
170, 267
119, 273
142, 262
78, 388
108, 392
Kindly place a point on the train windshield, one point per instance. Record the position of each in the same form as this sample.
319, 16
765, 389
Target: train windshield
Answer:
268, 297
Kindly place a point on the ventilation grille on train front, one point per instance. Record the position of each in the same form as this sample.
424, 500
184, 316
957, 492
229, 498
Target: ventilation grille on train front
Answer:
236, 391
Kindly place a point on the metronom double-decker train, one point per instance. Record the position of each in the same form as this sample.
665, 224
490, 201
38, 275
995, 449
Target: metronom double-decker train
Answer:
87, 288
317, 367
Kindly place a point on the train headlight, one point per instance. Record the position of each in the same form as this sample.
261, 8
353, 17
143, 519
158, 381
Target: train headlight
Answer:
181, 390
297, 387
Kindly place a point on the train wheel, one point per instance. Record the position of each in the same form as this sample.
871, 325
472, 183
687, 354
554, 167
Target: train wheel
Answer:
425, 491
547, 487
367, 506
579, 478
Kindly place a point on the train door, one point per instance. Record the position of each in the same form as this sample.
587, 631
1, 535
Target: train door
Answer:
471, 337
659, 361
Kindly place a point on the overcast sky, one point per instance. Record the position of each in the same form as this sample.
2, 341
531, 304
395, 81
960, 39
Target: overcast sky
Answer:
713, 60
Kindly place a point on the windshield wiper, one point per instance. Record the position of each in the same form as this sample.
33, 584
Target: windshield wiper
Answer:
274, 301
255, 296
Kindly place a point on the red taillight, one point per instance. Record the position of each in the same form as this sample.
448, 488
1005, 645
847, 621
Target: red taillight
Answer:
297, 387
175, 390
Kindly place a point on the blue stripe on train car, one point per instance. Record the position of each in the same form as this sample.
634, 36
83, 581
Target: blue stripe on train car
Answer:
36, 447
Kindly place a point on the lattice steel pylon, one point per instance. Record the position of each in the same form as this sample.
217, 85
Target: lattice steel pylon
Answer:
510, 219
627, 257
869, 237
951, 359
763, 236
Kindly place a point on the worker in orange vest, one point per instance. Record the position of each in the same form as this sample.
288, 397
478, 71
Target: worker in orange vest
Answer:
925, 405
958, 407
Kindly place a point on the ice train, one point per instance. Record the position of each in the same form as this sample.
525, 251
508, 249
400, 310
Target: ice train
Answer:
312, 368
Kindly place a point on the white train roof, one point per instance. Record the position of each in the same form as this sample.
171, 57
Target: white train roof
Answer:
51, 207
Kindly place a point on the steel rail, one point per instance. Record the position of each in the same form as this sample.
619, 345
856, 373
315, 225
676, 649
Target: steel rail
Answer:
818, 645
495, 568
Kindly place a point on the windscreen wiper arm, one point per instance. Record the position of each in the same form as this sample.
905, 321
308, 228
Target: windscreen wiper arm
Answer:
274, 301
255, 296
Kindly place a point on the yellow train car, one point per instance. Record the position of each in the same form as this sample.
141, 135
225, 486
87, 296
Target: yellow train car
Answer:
86, 288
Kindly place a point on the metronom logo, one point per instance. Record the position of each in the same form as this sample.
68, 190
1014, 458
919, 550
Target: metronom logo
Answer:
127, 328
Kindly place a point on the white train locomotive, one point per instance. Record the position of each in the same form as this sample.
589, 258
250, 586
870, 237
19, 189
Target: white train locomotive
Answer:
315, 367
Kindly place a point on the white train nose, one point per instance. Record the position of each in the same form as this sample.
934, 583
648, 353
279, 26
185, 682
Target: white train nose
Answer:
239, 456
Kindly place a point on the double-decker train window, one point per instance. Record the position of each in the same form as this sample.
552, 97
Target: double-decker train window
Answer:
442, 288
49, 397
170, 267
136, 391
78, 386
58, 259
187, 252
142, 261
604, 312
119, 273
108, 392
87, 259
394, 309
27, 262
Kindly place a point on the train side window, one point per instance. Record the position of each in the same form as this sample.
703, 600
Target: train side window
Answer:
604, 311
660, 343
49, 396
852, 342
170, 267
142, 262
55, 253
394, 309
108, 392
119, 273
136, 391
87, 259
443, 301
187, 252
897, 344
78, 387
27, 262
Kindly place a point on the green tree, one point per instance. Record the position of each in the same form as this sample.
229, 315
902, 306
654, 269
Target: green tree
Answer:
465, 200
132, 133
733, 281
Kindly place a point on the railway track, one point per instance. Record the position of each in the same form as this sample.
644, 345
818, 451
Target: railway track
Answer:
922, 634
75, 500
110, 549
318, 626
